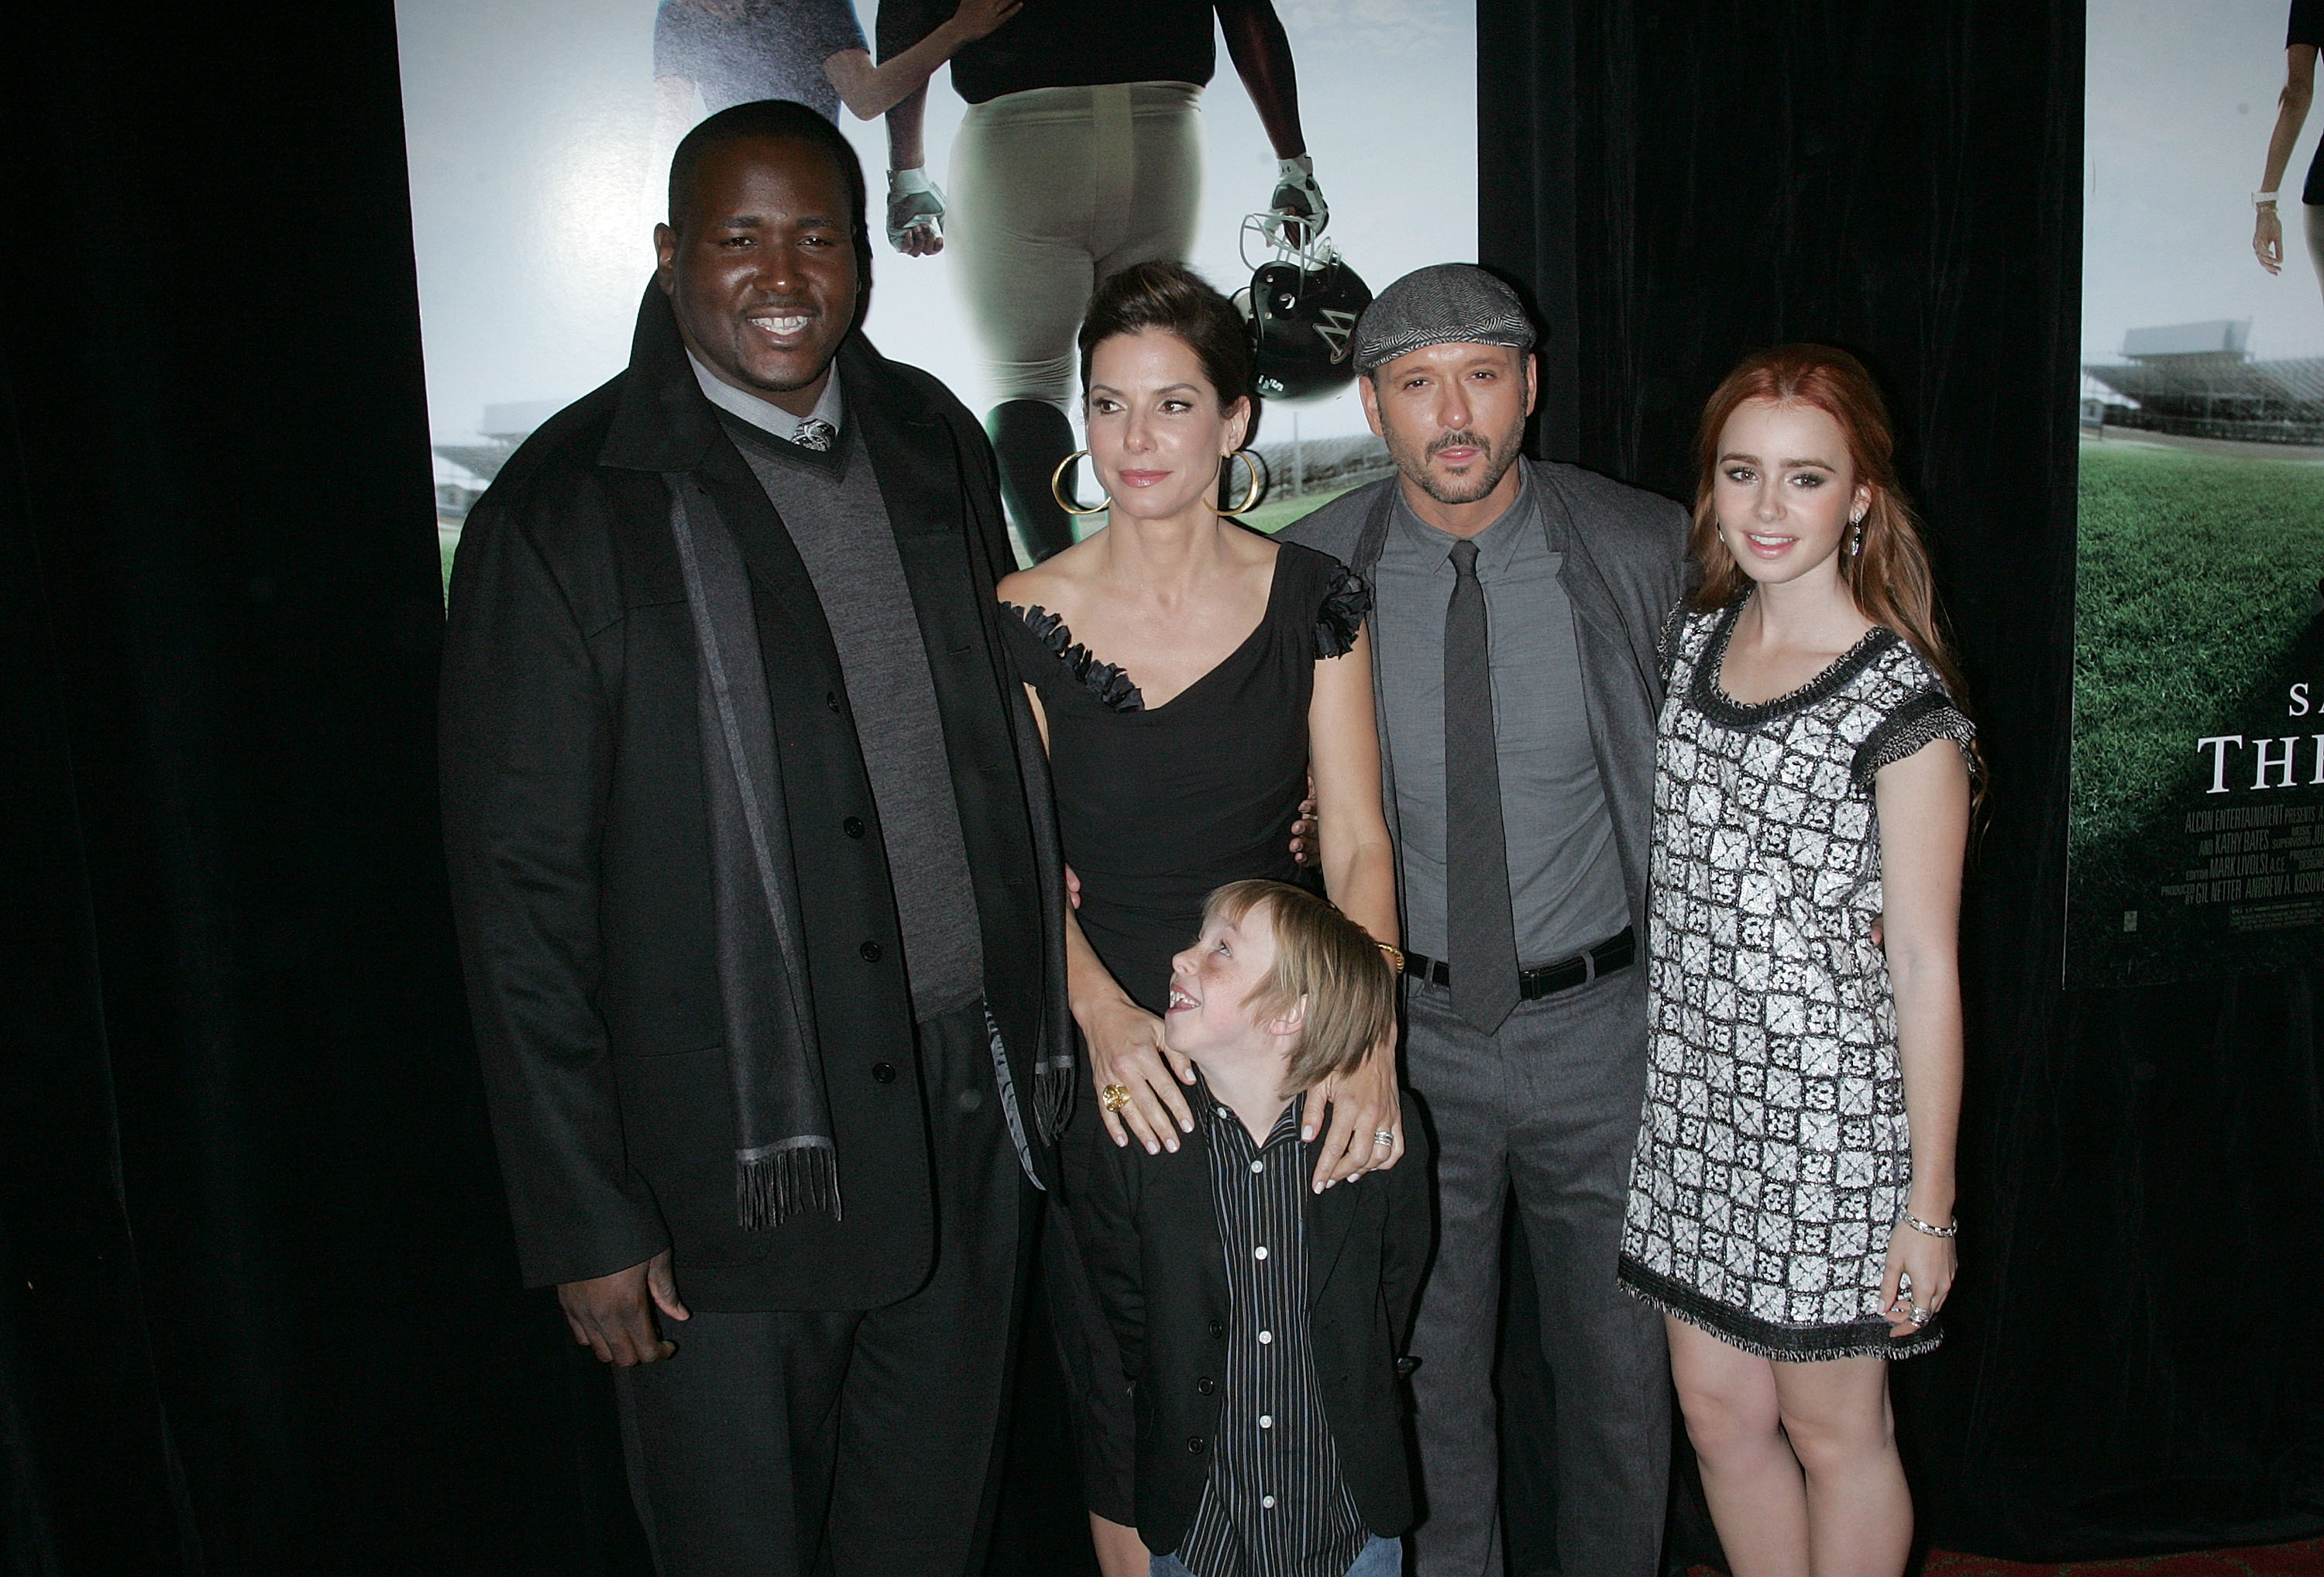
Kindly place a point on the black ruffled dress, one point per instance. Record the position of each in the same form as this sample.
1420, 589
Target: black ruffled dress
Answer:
1157, 808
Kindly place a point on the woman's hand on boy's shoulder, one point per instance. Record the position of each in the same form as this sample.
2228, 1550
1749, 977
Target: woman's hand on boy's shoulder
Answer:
1367, 1119
1307, 830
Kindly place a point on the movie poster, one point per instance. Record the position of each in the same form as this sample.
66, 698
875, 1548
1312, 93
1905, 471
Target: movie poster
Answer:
2196, 829
539, 133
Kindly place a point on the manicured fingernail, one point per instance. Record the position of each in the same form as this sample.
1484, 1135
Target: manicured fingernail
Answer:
1153, 1149
1171, 1145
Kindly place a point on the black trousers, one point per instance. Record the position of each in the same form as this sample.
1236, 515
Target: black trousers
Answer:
1104, 1419
857, 1443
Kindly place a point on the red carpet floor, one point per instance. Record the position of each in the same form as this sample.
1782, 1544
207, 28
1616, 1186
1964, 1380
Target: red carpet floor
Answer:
2305, 1559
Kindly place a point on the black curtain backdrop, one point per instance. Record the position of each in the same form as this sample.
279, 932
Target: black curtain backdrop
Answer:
258, 1307
259, 1310
2132, 1365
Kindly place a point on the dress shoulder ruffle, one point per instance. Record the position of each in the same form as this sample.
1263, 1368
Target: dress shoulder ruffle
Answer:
1110, 684
1340, 617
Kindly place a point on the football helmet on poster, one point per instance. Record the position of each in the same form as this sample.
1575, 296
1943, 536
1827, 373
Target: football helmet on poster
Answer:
1302, 305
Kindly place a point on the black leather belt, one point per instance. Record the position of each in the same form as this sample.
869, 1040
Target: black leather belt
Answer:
1549, 979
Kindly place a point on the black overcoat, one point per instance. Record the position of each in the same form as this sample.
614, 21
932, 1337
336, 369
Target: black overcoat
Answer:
577, 834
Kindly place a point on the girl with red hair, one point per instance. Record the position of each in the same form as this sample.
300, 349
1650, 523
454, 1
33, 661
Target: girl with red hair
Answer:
1791, 1204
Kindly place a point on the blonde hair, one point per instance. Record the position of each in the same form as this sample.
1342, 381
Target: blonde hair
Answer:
1322, 956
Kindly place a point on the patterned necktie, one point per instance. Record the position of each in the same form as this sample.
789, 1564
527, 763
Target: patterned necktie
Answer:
1480, 933
814, 433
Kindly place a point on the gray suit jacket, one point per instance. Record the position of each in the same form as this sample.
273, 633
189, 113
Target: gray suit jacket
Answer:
1624, 566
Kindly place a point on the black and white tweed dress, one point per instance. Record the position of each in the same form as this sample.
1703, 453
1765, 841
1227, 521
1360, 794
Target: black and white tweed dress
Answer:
1773, 1157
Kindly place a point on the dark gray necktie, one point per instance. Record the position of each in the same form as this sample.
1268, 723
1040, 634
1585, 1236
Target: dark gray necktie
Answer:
1481, 934
814, 433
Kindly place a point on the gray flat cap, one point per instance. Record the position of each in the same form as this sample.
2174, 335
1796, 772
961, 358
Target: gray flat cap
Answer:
1445, 303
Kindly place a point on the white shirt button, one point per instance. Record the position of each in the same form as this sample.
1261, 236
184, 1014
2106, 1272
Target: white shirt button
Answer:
1259, 1252
1259, 1166
1265, 1337
1267, 1501
1265, 1421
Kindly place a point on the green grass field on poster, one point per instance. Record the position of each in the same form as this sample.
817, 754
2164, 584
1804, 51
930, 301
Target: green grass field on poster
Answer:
2197, 578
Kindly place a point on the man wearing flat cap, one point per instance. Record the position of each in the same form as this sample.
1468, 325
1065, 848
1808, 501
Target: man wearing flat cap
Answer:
1517, 605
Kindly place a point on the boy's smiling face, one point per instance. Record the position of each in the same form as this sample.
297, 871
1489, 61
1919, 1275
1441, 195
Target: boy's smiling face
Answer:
1211, 985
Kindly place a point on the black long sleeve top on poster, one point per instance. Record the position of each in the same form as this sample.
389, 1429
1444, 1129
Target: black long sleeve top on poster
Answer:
1066, 43
2307, 27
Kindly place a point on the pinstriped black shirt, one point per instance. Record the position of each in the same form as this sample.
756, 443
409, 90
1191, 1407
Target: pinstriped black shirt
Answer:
1275, 1505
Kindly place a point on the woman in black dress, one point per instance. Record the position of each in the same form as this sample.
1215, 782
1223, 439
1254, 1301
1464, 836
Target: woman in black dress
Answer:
1190, 675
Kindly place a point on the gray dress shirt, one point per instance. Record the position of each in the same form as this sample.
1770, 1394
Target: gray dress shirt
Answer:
831, 405
1565, 876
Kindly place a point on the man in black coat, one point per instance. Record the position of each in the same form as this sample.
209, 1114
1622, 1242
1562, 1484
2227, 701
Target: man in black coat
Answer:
757, 889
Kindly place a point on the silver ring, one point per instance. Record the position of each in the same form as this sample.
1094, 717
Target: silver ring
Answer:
1922, 1316
1384, 1136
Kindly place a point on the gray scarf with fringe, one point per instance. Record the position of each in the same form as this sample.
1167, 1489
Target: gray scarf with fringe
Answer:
784, 1160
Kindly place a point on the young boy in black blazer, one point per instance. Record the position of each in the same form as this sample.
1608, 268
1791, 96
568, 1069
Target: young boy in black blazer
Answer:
1262, 1323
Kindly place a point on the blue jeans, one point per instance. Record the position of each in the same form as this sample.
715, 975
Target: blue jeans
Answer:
1379, 1558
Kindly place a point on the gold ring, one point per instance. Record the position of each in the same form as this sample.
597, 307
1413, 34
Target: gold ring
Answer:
1114, 1097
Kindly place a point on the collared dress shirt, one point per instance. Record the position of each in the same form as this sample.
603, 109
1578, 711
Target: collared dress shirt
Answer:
1565, 875
1275, 1505
830, 406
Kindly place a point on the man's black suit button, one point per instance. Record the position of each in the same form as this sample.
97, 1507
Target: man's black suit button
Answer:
871, 951
1219, 1329
831, 699
1194, 1443
853, 826
1206, 1385
883, 1073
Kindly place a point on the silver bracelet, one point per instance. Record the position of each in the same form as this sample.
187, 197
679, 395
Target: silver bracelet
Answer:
1918, 1225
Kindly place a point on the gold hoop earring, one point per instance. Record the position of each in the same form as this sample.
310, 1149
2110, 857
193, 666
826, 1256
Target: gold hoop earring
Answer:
1056, 489
1251, 493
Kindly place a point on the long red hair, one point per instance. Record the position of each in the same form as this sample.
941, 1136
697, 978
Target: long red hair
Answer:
1889, 577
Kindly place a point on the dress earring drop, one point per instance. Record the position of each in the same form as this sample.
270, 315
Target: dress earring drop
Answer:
1856, 546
